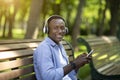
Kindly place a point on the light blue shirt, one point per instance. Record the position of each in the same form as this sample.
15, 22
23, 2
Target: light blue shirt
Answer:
48, 58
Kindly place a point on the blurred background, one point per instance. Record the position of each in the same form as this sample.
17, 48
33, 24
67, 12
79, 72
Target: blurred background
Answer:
24, 19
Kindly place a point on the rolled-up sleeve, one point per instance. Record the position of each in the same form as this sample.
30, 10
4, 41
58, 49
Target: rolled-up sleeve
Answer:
72, 75
44, 64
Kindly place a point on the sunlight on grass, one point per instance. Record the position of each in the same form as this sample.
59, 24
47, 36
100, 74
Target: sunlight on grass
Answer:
95, 54
103, 57
113, 57
18, 33
81, 49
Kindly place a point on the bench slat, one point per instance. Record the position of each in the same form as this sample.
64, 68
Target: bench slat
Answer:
18, 46
110, 71
31, 77
15, 54
15, 63
15, 73
19, 41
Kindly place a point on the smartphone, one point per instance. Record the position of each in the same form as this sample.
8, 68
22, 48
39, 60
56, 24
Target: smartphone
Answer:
90, 52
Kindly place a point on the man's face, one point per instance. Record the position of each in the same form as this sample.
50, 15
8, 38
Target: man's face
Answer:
56, 30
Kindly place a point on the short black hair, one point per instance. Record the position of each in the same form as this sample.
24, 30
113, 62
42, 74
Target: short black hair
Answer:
54, 17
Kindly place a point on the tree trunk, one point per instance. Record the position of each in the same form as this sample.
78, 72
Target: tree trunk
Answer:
68, 16
10, 27
4, 28
56, 8
32, 25
77, 22
5, 24
0, 19
114, 10
11, 19
101, 14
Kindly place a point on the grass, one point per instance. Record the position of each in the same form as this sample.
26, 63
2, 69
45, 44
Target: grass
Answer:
83, 72
17, 34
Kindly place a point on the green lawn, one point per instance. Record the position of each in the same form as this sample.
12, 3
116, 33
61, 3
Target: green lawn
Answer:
17, 34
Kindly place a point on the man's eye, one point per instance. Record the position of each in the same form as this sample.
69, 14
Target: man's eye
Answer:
62, 28
56, 28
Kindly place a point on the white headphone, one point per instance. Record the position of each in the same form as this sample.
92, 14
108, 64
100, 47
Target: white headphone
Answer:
45, 27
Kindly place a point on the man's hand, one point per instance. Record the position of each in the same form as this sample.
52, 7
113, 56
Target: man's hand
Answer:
81, 60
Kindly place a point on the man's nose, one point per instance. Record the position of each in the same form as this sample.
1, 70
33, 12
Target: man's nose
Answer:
61, 30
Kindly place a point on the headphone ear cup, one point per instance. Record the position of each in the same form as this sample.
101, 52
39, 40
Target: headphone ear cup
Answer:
45, 28
66, 30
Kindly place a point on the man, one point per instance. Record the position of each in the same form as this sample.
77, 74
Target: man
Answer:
50, 59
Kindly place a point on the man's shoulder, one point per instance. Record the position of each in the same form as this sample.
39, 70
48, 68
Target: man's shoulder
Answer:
43, 43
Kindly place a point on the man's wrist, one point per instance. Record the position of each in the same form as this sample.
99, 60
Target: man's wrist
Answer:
73, 65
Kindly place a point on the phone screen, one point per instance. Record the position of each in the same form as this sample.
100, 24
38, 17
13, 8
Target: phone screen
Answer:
90, 53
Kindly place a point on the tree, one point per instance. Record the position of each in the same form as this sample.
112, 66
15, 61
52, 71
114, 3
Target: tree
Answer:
69, 7
11, 18
114, 11
8, 11
101, 19
77, 22
32, 25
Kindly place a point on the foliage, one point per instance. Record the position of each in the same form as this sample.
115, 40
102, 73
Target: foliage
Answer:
84, 72
65, 8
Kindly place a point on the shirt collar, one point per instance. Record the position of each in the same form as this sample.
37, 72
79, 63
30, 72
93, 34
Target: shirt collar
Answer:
51, 42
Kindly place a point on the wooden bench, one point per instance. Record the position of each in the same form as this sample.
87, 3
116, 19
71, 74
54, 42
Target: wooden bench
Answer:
16, 58
105, 64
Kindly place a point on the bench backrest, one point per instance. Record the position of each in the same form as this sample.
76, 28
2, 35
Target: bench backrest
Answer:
16, 58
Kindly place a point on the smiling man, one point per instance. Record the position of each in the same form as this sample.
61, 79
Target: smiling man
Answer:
50, 58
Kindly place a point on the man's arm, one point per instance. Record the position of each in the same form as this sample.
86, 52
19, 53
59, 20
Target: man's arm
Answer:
80, 61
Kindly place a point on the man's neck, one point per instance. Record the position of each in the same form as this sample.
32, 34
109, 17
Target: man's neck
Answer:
53, 40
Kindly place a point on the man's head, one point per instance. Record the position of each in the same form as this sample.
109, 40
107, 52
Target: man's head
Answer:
56, 28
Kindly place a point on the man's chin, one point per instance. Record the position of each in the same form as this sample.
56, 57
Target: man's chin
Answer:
59, 39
